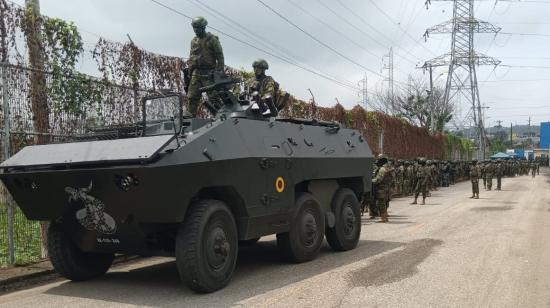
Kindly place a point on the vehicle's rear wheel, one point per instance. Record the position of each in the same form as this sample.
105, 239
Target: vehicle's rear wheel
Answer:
206, 246
347, 229
71, 262
303, 241
249, 242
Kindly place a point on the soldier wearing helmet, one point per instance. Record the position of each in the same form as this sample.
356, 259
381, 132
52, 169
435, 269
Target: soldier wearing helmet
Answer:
382, 182
422, 180
265, 85
206, 57
475, 173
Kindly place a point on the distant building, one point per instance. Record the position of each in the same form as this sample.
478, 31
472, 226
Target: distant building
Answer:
545, 135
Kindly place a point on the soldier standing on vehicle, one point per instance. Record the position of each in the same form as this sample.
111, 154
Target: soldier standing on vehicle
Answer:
382, 182
475, 173
206, 57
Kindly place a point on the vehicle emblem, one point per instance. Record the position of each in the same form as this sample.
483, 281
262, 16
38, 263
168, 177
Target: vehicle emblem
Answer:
92, 216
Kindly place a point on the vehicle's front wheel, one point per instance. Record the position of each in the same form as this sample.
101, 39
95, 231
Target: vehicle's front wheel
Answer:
71, 262
347, 229
303, 242
206, 246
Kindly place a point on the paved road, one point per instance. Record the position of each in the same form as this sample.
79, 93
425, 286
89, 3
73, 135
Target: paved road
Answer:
454, 251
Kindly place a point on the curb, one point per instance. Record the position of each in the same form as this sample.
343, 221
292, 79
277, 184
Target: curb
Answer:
6, 283
19, 282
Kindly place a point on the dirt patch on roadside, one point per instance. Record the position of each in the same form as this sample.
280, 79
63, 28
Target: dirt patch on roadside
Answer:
493, 208
395, 266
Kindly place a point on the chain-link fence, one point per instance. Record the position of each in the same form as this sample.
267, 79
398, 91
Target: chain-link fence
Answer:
20, 239
24, 234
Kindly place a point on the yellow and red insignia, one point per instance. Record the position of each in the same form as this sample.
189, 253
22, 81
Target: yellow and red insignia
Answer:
280, 184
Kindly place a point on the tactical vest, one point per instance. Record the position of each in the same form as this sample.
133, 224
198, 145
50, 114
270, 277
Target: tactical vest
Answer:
202, 56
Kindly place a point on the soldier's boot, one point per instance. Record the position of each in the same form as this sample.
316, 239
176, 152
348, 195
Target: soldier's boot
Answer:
477, 196
423, 201
383, 217
414, 202
473, 196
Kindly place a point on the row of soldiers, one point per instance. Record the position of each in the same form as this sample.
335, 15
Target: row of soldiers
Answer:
419, 177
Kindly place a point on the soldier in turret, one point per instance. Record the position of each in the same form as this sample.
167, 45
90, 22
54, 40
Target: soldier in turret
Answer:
206, 57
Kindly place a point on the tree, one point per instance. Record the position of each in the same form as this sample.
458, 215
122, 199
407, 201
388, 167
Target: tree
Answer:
417, 105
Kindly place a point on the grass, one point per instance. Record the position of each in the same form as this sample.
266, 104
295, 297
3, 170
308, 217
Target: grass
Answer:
26, 237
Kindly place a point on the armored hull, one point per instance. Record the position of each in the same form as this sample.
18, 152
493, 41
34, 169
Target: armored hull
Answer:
132, 195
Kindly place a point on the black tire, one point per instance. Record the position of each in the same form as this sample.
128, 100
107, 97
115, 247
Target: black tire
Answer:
207, 246
249, 242
303, 242
71, 262
347, 229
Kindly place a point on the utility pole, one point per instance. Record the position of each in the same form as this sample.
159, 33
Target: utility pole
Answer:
389, 67
430, 101
463, 60
39, 100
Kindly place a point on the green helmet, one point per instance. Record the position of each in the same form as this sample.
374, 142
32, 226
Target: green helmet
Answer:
199, 21
261, 63
381, 160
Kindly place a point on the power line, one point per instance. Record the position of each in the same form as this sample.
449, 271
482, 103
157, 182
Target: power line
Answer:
397, 24
333, 29
364, 21
318, 40
526, 66
259, 49
367, 35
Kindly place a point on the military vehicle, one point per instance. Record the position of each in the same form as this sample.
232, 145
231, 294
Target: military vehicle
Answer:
195, 188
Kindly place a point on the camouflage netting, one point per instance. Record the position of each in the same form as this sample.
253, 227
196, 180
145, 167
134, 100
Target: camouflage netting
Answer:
400, 139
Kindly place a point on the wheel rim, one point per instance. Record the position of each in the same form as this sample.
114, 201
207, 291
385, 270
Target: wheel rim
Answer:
217, 247
308, 229
348, 220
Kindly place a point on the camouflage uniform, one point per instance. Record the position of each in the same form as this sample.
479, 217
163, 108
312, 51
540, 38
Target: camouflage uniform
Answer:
475, 173
382, 182
205, 58
489, 172
499, 172
422, 179
265, 85
400, 178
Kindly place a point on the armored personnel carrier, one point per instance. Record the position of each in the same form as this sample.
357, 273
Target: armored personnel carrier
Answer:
195, 188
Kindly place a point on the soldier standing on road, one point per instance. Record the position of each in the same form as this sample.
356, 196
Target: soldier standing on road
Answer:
489, 173
206, 57
422, 178
382, 182
533, 169
499, 172
475, 173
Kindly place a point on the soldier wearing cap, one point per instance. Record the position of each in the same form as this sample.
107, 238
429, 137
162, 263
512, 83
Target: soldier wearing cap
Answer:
206, 57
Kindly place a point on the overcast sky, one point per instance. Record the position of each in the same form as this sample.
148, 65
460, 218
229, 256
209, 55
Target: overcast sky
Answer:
512, 94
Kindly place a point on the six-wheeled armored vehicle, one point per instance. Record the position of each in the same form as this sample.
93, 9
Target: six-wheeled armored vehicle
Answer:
194, 188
